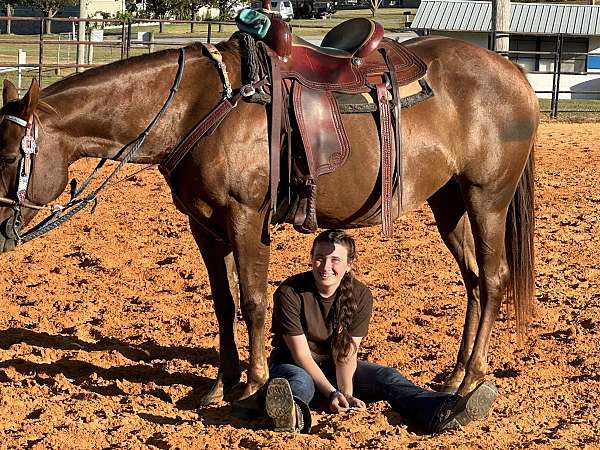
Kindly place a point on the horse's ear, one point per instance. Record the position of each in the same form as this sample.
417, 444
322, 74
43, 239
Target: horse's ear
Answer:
9, 92
31, 99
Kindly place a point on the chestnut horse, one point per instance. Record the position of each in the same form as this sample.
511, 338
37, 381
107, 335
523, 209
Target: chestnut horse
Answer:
467, 151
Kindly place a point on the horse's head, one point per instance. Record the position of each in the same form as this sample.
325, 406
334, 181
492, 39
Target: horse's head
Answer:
15, 116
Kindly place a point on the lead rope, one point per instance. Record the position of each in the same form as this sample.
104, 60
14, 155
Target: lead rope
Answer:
77, 204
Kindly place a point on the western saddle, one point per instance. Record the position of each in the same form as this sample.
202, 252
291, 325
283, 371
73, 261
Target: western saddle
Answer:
354, 58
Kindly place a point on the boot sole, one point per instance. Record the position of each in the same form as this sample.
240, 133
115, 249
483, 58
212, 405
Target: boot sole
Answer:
479, 403
280, 405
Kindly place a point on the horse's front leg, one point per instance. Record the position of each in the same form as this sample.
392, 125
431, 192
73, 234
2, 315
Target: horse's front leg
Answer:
222, 275
250, 242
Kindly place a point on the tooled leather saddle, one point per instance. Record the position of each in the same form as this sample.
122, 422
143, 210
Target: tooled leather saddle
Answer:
354, 58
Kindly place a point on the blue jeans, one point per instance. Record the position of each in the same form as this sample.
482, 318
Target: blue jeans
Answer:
372, 382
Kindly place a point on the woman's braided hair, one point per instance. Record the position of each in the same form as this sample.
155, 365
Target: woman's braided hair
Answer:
345, 305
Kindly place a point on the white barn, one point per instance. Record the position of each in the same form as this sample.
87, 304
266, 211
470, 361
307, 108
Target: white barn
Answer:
536, 26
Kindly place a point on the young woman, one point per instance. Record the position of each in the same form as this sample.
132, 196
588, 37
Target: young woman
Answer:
319, 320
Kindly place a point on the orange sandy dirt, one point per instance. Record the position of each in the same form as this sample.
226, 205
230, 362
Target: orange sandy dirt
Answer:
108, 336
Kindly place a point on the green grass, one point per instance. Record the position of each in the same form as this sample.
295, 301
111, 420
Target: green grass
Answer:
589, 110
392, 19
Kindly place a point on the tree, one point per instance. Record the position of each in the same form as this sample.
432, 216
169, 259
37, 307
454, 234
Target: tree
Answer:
226, 9
9, 7
374, 6
49, 8
187, 9
160, 9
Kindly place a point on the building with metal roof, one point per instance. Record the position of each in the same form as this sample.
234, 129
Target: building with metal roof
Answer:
526, 18
537, 31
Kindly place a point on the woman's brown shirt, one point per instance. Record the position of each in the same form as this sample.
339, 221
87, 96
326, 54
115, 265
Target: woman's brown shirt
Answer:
299, 309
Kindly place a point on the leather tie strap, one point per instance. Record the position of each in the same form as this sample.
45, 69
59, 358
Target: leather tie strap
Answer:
385, 132
396, 100
218, 58
275, 147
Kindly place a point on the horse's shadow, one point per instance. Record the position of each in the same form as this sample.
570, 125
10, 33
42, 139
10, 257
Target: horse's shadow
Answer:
107, 381
146, 351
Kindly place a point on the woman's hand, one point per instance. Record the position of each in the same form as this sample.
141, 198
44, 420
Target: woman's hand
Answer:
338, 402
355, 402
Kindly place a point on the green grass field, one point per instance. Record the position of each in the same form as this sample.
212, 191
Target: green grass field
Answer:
586, 110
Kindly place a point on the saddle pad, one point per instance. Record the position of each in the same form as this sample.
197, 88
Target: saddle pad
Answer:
339, 73
410, 94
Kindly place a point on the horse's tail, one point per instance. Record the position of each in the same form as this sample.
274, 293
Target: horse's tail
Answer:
519, 247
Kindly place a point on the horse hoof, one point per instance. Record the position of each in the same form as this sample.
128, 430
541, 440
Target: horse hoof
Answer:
466, 387
234, 392
215, 395
449, 389
250, 408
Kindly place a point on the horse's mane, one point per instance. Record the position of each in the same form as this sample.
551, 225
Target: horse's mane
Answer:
98, 74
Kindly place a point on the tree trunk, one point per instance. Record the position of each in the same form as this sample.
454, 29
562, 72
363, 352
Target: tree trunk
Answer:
160, 25
374, 6
192, 16
501, 24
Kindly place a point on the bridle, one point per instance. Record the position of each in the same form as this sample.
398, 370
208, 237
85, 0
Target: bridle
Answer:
28, 148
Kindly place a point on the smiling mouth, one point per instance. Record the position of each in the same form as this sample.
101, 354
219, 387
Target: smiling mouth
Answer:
325, 276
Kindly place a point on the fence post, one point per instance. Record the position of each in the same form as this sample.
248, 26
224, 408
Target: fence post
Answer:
208, 35
556, 78
81, 35
128, 38
41, 58
21, 60
123, 39
57, 70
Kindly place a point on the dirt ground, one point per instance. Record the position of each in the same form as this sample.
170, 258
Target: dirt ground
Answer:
108, 338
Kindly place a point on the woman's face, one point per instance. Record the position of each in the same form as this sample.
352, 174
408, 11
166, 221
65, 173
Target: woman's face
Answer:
329, 265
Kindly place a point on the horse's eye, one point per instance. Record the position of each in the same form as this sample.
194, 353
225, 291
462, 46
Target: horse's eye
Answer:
7, 160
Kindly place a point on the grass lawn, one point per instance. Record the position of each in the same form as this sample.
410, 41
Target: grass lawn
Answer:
572, 110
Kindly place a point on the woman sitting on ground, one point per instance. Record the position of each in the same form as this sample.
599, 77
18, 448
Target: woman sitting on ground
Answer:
319, 320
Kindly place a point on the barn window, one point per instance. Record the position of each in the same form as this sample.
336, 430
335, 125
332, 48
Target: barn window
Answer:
541, 58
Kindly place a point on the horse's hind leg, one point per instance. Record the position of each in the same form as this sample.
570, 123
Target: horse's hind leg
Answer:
455, 229
487, 209
220, 266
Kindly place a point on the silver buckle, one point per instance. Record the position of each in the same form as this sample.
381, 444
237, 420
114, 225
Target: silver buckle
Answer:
28, 145
247, 90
